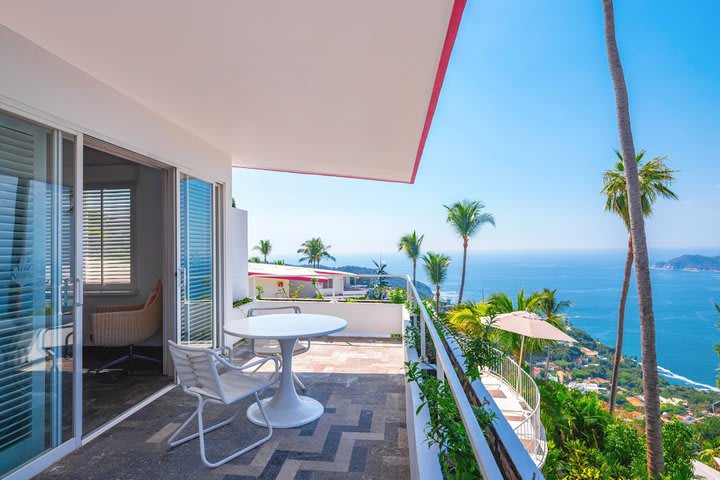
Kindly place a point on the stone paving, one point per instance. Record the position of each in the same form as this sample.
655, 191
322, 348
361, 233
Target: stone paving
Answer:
362, 434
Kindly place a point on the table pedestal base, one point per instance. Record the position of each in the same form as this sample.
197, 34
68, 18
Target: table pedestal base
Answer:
305, 411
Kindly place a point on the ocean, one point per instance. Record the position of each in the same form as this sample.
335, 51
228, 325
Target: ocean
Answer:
685, 319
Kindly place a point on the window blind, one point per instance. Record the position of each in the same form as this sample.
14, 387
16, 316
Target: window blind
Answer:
18, 288
107, 239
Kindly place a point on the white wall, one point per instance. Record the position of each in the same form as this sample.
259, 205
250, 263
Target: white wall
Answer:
238, 253
40, 86
364, 319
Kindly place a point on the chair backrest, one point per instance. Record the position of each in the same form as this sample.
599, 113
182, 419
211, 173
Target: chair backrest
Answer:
270, 310
196, 369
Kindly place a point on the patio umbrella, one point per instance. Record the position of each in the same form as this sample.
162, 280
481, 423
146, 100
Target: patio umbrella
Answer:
528, 324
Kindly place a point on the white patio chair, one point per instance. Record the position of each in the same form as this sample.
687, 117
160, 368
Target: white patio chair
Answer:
268, 348
206, 375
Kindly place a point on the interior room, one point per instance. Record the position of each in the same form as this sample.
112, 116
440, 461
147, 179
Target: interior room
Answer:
123, 235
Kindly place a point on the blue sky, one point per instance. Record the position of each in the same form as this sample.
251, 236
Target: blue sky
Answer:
526, 123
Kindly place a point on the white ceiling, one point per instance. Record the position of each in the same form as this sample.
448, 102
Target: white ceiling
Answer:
316, 86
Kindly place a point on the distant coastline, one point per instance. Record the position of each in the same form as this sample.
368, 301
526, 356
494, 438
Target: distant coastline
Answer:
691, 263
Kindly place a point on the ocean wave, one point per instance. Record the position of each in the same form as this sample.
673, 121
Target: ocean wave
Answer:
692, 383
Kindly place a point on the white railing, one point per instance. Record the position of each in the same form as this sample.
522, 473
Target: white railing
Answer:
490, 466
530, 430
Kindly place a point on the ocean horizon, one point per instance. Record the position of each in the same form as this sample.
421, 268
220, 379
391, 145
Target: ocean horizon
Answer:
685, 320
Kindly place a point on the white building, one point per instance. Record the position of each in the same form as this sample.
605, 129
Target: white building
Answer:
286, 281
135, 113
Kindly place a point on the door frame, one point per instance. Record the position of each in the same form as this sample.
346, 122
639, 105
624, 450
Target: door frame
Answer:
59, 132
218, 253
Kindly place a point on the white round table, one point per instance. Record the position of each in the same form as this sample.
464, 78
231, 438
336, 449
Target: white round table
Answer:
286, 409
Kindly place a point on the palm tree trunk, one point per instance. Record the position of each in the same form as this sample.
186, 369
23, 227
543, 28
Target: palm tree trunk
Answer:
462, 278
437, 298
653, 425
547, 362
621, 326
414, 271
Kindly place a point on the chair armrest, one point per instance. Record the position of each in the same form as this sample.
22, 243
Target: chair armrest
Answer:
240, 368
119, 308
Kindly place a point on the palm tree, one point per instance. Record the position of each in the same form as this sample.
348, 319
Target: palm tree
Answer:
265, 247
380, 284
653, 424
436, 266
467, 318
552, 309
410, 244
467, 218
654, 180
314, 251
503, 303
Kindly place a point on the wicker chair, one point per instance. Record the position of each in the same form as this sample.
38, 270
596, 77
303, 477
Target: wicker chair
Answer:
127, 325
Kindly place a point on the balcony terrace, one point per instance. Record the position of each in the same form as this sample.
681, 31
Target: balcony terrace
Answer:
361, 435
369, 429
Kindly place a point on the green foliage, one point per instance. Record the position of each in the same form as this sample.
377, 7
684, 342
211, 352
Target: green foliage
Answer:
446, 428
264, 247
260, 291
397, 295
318, 293
436, 266
296, 293
584, 441
655, 180
466, 218
678, 450
380, 283
255, 260
479, 349
244, 301
313, 251
624, 451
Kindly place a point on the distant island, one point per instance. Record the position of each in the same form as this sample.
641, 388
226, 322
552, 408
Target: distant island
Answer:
691, 263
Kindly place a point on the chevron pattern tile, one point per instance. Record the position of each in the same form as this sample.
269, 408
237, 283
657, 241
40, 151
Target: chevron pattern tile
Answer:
362, 434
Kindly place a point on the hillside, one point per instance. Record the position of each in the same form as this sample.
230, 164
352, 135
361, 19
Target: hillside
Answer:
423, 289
691, 263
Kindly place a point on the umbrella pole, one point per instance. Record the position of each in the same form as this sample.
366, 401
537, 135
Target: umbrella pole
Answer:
520, 359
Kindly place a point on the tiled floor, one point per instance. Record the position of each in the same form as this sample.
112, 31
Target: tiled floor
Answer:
362, 434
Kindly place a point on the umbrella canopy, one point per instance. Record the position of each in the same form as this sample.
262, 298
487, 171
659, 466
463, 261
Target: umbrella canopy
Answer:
528, 324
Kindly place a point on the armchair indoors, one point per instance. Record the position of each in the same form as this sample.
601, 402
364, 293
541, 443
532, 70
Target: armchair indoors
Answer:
127, 325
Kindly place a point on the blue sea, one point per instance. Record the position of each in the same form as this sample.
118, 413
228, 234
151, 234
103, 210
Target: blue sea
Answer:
686, 321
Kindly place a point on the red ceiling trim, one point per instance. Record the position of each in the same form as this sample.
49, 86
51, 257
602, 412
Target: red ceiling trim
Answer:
450, 37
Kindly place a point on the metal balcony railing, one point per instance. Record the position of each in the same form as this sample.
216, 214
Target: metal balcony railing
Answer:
530, 430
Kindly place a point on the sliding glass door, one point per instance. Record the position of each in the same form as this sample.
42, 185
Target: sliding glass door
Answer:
196, 262
37, 290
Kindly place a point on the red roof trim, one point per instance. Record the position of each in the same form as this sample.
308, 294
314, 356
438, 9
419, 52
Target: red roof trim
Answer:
287, 277
450, 36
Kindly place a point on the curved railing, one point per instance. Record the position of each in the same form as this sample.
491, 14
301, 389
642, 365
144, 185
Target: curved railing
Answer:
530, 430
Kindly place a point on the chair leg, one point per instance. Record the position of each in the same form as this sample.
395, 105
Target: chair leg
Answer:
238, 453
117, 361
299, 383
174, 443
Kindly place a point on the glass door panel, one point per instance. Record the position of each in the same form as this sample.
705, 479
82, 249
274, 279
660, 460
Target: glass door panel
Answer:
196, 272
36, 290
